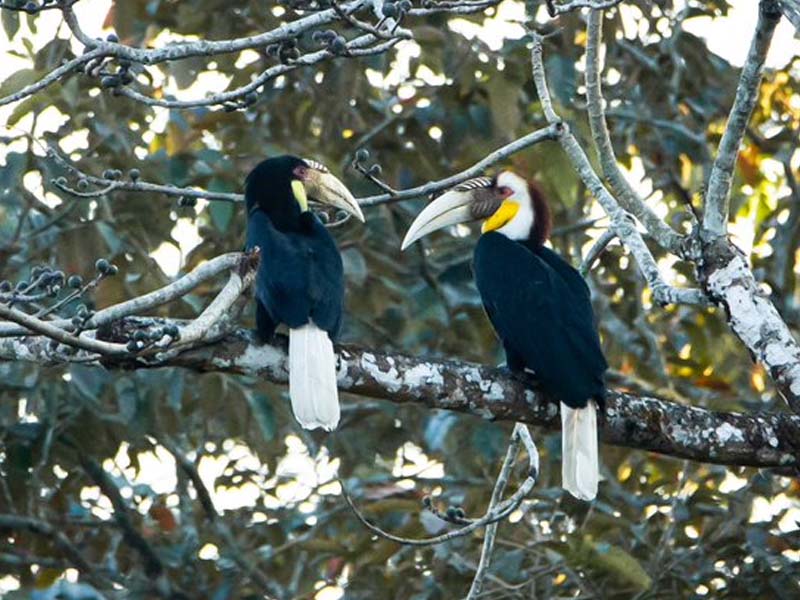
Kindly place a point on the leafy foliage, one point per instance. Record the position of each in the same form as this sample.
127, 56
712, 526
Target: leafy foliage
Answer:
660, 528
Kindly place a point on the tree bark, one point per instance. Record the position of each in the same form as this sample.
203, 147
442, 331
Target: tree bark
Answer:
633, 421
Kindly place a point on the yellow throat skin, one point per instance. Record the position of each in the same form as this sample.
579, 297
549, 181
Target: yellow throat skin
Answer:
299, 191
507, 211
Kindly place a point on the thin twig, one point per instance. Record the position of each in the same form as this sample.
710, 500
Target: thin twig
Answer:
596, 250
499, 512
497, 494
546, 133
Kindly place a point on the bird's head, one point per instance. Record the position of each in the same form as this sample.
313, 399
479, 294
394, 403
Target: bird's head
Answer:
284, 185
506, 203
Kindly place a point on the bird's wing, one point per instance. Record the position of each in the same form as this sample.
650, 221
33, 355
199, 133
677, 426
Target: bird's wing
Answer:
583, 315
540, 318
326, 283
282, 282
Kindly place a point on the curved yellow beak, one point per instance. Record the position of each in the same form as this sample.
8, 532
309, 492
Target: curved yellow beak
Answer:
451, 208
326, 188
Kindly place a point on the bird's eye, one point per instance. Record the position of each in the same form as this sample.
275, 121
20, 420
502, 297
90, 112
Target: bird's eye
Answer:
300, 172
504, 191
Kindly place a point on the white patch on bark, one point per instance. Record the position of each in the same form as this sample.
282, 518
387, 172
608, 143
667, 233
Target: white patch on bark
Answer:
423, 374
756, 321
727, 432
259, 357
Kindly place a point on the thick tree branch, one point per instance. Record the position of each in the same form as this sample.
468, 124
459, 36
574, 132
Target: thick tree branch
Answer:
717, 201
752, 316
634, 421
667, 237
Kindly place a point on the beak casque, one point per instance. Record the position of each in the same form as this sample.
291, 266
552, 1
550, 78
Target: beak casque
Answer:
455, 206
326, 188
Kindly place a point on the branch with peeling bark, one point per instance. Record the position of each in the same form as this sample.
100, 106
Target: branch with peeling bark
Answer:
752, 316
632, 420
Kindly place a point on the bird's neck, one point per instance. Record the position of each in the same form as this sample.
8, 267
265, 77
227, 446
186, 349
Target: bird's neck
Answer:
284, 216
532, 243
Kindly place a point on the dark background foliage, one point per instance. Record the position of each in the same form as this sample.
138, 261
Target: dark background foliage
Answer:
660, 527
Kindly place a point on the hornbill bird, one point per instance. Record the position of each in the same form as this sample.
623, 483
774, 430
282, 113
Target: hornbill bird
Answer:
300, 280
538, 304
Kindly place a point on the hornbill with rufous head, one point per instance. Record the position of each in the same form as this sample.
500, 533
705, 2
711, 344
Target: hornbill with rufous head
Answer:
300, 281
538, 304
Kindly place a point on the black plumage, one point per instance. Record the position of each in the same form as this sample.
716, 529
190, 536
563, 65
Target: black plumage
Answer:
300, 278
540, 307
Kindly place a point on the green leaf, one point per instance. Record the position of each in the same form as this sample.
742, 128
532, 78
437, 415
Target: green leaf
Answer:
28, 105
563, 78
10, 23
17, 81
261, 407
110, 237
221, 214
504, 105
615, 561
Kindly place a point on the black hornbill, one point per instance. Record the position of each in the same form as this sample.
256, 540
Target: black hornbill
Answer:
538, 304
300, 281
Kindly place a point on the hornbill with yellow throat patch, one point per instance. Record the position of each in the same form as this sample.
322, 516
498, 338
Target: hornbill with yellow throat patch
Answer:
539, 305
300, 280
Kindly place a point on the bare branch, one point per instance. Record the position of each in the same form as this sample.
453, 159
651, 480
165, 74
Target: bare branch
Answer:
554, 9
596, 250
35, 325
547, 133
168, 293
106, 185
157, 343
498, 510
110, 185
667, 237
621, 222
56, 74
497, 494
111, 50
717, 201
355, 48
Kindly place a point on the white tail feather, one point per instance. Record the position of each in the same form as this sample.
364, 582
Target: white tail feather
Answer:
579, 469
312, 378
